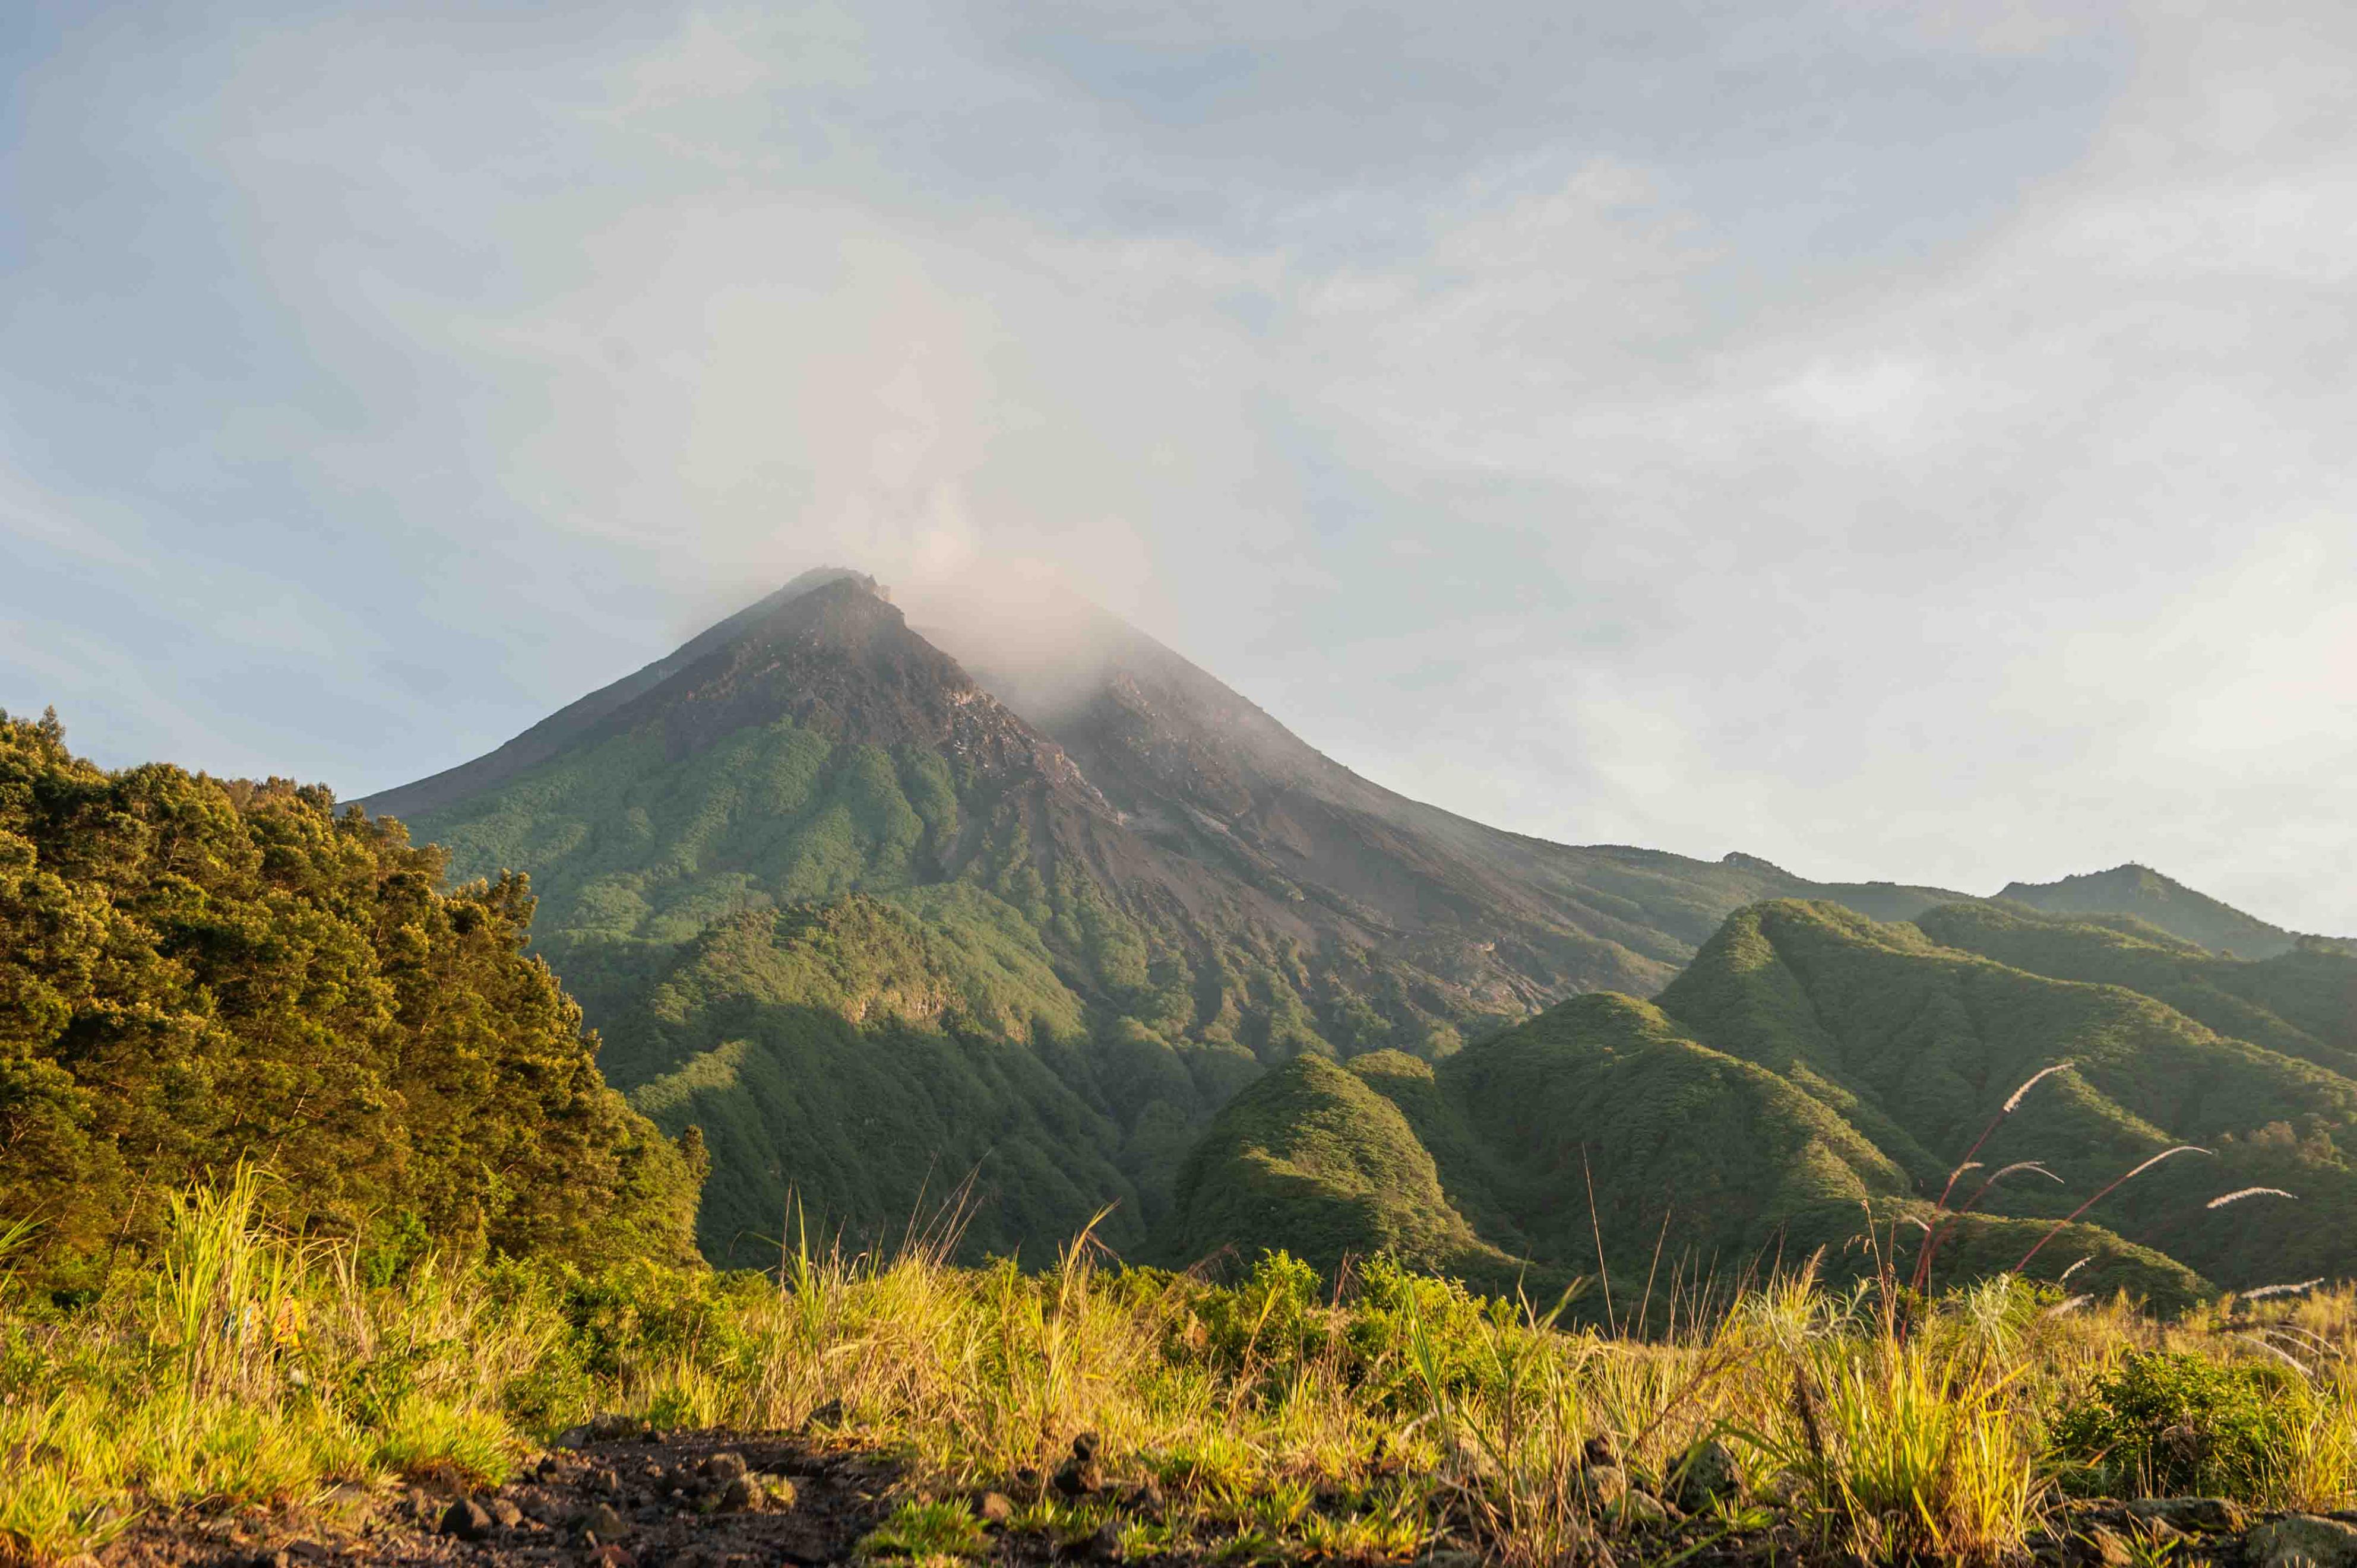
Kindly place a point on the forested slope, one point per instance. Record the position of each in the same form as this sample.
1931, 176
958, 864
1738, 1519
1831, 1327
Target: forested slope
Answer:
196, 972
1812, 1067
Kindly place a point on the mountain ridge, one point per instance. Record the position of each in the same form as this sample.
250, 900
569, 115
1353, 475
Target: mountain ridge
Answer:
1110, 864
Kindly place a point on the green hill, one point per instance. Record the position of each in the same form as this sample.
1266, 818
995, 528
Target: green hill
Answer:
197, 971
1915, 1043
2158, 901
1812, 1067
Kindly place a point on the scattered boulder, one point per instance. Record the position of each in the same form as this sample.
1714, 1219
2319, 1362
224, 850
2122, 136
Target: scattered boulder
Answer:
1601, 1452
1642, 1508
740, 1495
602, 1522
2194, 1516
995, 1508
1706, 1476
466, 1519
1101, 1545
504, 1512
2301, 1541
1603, 1486
1081, 1476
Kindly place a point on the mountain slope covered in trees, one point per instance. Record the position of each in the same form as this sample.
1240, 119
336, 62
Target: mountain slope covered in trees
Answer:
1810, 1066
889, 926
1142, 888
196, 972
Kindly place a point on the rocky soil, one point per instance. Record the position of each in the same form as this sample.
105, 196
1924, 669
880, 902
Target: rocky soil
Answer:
623, 1498
704, 1499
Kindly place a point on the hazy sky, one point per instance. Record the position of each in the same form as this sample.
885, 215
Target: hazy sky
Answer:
1897, 440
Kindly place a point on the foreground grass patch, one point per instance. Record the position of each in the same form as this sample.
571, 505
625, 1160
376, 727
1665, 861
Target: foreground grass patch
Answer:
1264, 1419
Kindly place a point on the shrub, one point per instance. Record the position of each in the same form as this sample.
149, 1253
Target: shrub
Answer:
2164, 1424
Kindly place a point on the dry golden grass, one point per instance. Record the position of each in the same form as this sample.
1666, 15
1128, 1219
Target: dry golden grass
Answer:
244, 1367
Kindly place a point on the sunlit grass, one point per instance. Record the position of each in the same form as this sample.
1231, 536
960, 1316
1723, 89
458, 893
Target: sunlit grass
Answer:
245, 1369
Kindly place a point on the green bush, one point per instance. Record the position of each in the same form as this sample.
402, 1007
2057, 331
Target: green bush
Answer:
1393, 1302
1267, 1323
2167, 1424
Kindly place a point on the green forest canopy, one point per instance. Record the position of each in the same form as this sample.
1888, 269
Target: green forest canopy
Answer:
196, 972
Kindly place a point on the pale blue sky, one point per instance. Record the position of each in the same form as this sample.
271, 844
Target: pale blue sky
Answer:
1895, 439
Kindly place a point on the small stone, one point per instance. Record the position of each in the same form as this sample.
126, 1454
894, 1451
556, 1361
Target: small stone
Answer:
1601, 1452
828, 1414
778, 1493
2298, 1539
604, 1481
1642, 1508
574, 1437
603, 1522
740, 1496
609, 1556
307, 1552
504, 1513
466, 1519
995, 1508
1145, 1498
614, 1427
725, 1465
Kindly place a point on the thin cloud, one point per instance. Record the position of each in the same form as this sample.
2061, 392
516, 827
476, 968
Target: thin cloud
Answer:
1896, 440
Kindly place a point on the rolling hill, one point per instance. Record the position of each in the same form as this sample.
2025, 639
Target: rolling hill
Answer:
1812, 1065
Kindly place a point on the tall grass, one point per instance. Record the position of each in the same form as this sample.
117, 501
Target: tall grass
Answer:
243, 1367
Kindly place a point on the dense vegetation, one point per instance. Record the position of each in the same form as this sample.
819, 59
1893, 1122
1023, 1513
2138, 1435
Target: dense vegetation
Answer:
196, 972
1812, 1065
1282, 1419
